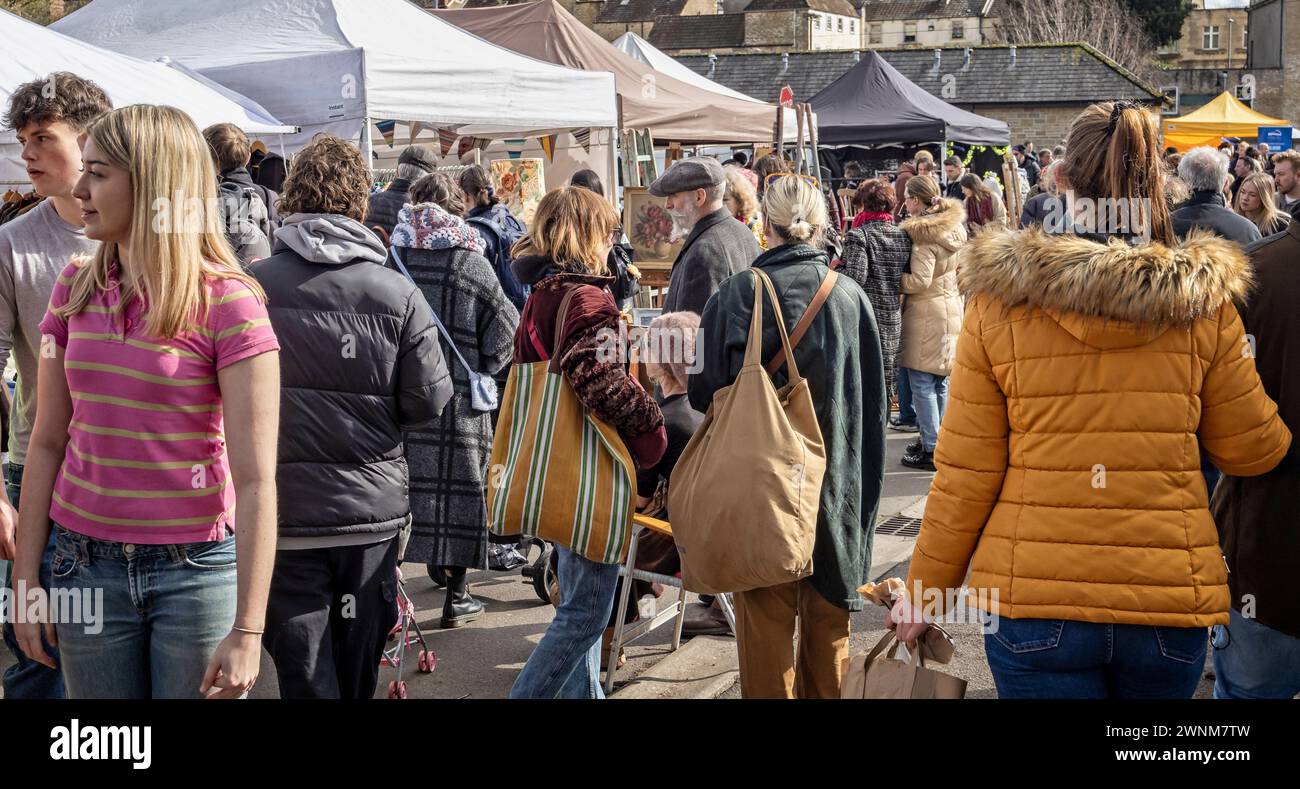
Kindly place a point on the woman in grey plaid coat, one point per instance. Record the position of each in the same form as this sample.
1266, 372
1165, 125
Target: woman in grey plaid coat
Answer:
448, 462
876, 252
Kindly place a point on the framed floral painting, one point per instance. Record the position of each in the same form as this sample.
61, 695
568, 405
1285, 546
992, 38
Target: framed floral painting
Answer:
518, 183
650, 229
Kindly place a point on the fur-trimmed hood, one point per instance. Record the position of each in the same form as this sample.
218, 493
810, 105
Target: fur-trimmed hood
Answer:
1137, 292
945, 226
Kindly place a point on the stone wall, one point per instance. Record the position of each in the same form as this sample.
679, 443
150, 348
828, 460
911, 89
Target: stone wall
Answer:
774, 29
1045, 125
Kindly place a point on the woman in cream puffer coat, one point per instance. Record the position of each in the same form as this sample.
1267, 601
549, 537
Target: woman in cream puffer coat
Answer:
932, 310
1092, 373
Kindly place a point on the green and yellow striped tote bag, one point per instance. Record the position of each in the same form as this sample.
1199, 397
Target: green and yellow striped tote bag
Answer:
557, 472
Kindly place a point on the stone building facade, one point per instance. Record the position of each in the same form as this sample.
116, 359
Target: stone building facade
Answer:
1213, 37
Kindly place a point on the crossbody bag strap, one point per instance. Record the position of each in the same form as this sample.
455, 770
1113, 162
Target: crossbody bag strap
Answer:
441, 329
805, 320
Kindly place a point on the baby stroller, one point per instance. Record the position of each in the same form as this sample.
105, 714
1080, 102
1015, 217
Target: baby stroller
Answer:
507, 553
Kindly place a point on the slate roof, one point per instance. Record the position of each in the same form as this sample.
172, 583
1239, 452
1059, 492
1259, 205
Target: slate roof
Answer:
1046, 73
841, 7
891, 10
699, 32
639, 10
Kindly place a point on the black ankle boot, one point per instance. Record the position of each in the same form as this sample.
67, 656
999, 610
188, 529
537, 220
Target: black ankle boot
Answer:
459, 608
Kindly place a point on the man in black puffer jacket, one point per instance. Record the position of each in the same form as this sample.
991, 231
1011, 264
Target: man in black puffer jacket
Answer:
360, 364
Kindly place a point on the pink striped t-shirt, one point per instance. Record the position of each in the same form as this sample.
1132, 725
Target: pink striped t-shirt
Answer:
146, 458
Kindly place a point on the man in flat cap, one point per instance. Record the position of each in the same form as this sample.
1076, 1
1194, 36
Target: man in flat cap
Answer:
415, 161
718, 244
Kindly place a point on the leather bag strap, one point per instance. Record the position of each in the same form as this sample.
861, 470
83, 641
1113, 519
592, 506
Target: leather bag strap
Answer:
805, 320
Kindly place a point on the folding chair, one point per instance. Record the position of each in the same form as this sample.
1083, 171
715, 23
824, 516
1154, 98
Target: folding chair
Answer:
626, 634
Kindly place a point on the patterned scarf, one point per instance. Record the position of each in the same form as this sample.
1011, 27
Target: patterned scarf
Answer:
430, 226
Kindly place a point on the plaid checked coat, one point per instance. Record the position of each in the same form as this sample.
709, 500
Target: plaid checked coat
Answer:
448, 461
875, 256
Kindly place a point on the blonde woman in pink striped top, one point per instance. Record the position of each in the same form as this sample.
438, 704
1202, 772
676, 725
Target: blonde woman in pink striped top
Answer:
153, 454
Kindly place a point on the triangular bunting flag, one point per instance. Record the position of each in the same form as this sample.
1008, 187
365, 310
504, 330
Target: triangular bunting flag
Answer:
548, 145
386, 129
482, 143
583, 136
447, 138
416, 127
515, 147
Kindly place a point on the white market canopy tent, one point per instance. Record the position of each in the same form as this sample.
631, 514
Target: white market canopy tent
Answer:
634, 46
341, 65
126, 80
638, 48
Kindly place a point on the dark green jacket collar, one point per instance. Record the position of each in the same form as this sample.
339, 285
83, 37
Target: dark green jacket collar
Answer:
796, 252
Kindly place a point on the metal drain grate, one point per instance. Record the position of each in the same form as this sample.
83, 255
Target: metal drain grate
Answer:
900, 526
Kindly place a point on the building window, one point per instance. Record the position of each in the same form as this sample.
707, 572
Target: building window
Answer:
817, 22
909, 32
839, 25
853, 26
873, 37
958, 29
1210, 37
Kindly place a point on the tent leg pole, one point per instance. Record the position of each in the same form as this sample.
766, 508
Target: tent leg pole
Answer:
282, 156
368, 144
614, 193
943, 154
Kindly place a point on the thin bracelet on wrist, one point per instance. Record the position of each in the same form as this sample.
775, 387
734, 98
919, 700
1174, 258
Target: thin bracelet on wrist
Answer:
247, 630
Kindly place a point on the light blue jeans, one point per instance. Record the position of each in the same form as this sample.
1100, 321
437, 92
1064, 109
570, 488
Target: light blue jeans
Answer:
929, 398
1254, 661
566, 664
160, 614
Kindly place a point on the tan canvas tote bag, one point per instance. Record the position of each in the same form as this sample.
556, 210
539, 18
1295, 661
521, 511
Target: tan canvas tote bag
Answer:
744, 496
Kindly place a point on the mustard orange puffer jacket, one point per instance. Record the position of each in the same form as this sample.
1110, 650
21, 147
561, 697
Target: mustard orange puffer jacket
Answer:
1089, 379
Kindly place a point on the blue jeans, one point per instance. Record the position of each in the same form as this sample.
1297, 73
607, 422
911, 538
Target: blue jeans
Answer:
906, 413
161, 612
1062, 659
566, 664
28, 679
930, 397
1254, 661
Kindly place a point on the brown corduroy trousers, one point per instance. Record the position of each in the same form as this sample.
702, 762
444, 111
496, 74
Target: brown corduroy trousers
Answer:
765, 627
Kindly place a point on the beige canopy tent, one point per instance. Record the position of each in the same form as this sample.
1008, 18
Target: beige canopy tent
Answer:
672, 110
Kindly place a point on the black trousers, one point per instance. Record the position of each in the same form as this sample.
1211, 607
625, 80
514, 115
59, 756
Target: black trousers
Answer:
328, 618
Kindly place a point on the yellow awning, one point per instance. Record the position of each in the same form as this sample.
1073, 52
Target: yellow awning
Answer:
1224, 116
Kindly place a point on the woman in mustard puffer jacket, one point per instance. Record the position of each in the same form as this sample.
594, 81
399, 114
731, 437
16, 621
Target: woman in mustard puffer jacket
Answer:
1093, 370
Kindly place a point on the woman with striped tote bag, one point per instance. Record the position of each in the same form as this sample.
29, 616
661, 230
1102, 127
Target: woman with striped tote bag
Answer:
572, 430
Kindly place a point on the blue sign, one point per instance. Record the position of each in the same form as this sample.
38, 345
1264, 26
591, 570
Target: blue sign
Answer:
1277, 137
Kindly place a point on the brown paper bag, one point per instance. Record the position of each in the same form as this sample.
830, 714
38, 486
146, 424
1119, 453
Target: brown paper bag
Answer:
872, 676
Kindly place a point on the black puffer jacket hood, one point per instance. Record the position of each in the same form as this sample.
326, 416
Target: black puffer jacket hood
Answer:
360, 363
